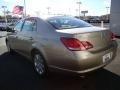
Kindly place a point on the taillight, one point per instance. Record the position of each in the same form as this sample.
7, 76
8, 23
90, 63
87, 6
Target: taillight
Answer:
76, 45
113, 37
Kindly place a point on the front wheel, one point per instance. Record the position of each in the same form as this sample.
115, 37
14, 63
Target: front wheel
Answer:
39, 64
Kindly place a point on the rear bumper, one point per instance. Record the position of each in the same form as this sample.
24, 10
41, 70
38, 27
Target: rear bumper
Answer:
81, 71
84, 62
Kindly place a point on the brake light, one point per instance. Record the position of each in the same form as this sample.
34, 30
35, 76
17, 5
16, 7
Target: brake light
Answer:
76, 45
113, 37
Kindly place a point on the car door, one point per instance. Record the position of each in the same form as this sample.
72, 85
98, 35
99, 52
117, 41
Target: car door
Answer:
26, 37
13, 36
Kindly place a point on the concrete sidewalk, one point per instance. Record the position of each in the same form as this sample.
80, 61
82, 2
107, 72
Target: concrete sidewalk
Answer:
2, 41
3, 34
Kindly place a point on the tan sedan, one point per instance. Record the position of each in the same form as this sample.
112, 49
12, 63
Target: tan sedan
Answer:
63, 43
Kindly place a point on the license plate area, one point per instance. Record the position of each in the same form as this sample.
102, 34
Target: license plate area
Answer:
107, 57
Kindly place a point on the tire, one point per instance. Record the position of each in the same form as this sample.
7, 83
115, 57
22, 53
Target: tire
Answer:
39, 64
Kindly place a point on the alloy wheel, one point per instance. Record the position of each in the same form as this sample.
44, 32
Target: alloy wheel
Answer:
39, 64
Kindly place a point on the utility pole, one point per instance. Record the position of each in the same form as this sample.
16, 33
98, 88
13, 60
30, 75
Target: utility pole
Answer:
48, 8
76, 11
107, 8
4, 11
24, 8
79, 3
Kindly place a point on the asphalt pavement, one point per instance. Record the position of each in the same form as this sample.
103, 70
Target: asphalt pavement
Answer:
17, 73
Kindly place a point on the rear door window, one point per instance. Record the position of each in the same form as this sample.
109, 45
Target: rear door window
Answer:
29, 25
18, 26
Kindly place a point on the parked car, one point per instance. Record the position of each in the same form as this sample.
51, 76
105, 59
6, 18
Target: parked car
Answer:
3, 26
62, 43
11, 26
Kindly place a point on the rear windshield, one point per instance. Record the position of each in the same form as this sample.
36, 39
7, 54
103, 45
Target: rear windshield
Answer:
67, 23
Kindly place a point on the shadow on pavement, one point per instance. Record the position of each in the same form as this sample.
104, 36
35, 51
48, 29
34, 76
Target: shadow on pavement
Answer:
17, 73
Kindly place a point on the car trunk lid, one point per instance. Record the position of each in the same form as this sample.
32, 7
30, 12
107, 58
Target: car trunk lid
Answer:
100, 38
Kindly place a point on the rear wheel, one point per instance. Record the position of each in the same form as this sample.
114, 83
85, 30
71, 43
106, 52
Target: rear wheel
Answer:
39, 63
